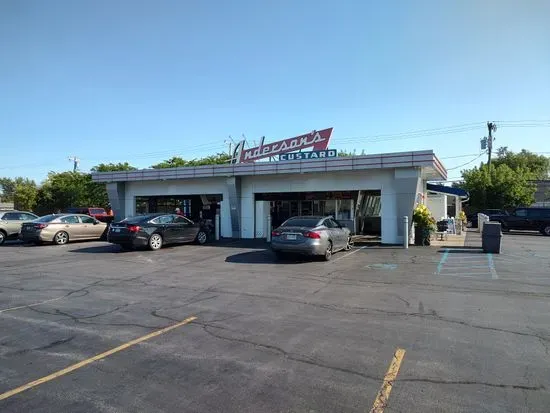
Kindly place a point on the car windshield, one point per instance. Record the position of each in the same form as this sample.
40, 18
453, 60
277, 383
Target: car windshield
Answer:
46, 218
301, 222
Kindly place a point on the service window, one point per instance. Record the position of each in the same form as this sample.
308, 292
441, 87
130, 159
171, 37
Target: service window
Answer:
344, 209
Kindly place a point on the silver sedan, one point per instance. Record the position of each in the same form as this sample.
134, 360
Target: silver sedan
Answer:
310, 235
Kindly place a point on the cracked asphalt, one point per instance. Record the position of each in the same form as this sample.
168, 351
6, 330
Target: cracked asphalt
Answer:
290, 337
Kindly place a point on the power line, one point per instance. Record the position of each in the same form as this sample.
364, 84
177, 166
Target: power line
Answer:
460, 156
467, 163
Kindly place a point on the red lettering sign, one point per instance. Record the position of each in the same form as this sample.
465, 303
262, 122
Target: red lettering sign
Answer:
318, 140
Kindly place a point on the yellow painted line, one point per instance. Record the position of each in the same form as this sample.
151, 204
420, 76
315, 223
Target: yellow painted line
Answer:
31, 305
83, 363
384, 393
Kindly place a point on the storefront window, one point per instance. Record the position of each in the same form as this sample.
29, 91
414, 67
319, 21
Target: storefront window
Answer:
344, 208
142, 205
330, 207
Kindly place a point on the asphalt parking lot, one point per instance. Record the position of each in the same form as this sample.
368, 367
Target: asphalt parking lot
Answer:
295, 336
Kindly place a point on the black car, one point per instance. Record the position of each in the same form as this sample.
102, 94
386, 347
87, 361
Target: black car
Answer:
156, 230
472, 218
526, 219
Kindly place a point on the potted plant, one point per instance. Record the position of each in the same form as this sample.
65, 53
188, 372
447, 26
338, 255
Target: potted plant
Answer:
462, 221
424, 225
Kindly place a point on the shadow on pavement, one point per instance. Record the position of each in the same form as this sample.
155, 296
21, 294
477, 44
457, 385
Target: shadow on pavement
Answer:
461, 250
240, 243
99, 249
264, 257
15, 243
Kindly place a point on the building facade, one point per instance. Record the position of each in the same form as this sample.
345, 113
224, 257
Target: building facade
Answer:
369, 193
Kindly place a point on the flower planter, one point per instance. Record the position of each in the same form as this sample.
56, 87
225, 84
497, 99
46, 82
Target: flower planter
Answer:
422, 236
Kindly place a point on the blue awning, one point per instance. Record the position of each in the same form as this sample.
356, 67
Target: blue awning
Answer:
447, 190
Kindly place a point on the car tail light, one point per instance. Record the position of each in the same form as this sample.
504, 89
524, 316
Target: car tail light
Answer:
40, 226
275, 233
134, 228
312, 234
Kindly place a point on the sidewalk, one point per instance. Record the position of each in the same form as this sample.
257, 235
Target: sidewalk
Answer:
469, 239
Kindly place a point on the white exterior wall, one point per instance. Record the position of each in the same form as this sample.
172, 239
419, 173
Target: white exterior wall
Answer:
383, 180
198, 186
262, 212
397, 186
437, 204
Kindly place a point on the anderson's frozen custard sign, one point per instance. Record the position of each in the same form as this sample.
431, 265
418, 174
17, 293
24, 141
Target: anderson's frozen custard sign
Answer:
316, 140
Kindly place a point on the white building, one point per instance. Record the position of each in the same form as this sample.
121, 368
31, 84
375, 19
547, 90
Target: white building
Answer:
368, 193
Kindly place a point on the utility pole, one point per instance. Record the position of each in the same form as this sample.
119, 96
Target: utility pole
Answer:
75, 162
492, 127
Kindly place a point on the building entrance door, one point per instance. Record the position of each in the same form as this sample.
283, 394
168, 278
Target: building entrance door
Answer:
306, 208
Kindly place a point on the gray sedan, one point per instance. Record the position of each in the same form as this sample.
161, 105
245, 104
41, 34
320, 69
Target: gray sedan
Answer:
310, 235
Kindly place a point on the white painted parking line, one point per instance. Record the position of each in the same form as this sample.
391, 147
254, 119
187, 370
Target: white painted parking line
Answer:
494, 274
349, 253
466, 265
463, 274
5, 310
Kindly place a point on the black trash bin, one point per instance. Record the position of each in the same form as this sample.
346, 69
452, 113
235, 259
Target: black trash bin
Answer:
491, 237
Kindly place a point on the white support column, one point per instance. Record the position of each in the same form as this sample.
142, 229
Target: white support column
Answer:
406, 231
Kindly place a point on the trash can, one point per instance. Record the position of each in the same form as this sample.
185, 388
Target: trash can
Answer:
491, 237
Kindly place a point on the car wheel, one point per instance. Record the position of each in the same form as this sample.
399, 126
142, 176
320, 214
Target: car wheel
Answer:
503, 228
546, 230
201, 238
155, 242
2, 237
61, 238
349, 244
328, 252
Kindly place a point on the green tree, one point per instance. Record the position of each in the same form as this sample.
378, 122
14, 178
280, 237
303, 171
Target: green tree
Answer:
539, 165
69, 189
499, 186
25, 193
345, 154
7, 187
112, 167
176, 161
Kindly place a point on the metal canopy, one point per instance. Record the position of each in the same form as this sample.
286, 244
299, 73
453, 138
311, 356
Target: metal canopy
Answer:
447, 190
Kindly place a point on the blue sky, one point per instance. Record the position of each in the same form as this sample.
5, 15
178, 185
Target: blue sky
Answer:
141, 81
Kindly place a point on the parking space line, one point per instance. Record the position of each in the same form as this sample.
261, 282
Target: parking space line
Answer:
442, 260
383, 395
5, 310
349, 253
463, 274
494, 274
83, 363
